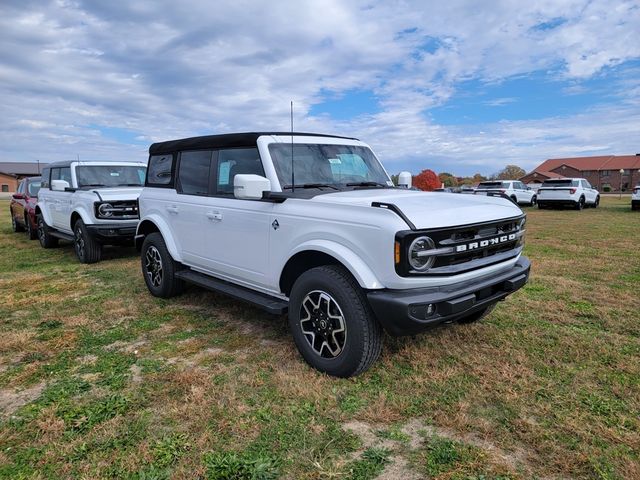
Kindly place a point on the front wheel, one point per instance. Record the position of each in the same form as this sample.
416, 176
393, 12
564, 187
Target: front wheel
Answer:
44, 237
332, 324
159, 268
597, 202
88, 250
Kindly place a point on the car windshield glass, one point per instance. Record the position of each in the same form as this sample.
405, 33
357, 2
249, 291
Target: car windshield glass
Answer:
560, 183
110, 176
490, 185
34, 188
338, 166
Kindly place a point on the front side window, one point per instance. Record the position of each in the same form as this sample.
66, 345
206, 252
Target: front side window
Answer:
193, 172
160, 167
110, 176
236, 161
336, 165
61, 173
33, 188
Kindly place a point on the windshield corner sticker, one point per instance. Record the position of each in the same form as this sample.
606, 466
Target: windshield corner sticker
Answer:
335, 161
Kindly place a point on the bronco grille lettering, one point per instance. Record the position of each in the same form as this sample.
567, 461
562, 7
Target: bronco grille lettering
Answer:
486, 243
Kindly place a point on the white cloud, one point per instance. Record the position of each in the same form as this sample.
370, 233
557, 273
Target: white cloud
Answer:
172, 69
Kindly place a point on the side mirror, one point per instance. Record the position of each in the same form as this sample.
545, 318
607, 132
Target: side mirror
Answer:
18, 196
250, 186
59, 185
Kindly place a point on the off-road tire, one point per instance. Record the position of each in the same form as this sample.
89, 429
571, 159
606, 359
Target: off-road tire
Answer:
168, 285
477, 316
15, 226
363, 340
44, 237
87, 249
32, 233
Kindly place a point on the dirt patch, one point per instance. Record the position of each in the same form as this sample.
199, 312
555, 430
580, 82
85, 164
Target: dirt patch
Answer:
126, 347
136, 373
11, 400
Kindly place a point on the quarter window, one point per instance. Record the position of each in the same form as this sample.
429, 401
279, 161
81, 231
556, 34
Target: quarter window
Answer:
159, 171
193, 172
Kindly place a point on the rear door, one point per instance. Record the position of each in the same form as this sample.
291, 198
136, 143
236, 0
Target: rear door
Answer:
589, 192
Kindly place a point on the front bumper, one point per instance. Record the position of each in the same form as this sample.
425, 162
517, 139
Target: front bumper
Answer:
405, 312
112, 233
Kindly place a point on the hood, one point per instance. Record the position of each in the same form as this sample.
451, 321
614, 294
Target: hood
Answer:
118, 193
430, 209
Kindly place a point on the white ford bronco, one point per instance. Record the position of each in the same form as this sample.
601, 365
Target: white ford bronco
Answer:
517, 191
312, 225
90, 204
567, 192
635, 198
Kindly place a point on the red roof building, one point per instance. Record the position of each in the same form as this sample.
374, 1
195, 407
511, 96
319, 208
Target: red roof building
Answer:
603, 172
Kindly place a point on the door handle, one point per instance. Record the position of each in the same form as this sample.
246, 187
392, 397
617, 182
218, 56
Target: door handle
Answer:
214, 215
172, 208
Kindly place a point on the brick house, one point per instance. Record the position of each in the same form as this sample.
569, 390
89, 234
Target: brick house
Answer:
603, 172
12, 172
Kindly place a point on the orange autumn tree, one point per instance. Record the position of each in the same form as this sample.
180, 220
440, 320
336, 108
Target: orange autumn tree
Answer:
426, 180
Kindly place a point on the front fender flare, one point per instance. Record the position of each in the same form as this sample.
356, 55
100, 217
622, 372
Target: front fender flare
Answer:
365, 277
84, 215
164, 230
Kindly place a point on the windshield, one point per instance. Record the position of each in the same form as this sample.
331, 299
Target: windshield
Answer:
560, 183
335, 165
490, 185
33, 188
110, 176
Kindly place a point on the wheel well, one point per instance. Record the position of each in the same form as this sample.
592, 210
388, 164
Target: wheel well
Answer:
74, 218
144, 229
38, 211
300, 263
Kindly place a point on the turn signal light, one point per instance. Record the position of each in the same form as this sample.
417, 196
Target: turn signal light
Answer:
397, 253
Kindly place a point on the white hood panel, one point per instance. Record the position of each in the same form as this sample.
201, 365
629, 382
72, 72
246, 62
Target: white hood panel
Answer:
430, 209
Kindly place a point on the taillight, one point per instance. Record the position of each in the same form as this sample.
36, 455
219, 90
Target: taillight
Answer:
502, 190
572, 191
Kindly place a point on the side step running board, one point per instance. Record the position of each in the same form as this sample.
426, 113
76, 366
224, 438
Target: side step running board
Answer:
61, 235
271, 304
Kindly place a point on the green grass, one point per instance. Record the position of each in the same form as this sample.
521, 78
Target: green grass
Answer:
98, 379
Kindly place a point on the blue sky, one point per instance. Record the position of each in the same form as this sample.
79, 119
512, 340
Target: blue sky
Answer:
459, 86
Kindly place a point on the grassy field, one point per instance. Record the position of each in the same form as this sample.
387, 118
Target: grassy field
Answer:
100, 380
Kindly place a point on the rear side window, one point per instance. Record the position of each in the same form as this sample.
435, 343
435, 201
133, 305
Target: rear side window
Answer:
194, 169
45, 178
159, 170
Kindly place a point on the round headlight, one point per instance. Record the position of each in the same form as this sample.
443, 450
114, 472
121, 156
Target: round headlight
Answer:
105, 210
419, 257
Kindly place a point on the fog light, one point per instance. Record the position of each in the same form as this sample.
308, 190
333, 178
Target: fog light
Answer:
423, 311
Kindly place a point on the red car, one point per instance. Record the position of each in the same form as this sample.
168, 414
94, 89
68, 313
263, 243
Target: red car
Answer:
22, 207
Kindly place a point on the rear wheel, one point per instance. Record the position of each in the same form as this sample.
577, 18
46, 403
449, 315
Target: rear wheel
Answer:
159, 268
332, 324
45, 238
32, 233
15, 226
477, 316
580, 204
88, 250
514, 199
534, 199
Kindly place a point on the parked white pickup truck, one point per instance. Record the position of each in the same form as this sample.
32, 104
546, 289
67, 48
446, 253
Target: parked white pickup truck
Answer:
567, 192
90, 204
312, 224
635, 198
517, 191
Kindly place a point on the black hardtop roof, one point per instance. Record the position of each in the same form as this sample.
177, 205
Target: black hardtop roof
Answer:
226, 140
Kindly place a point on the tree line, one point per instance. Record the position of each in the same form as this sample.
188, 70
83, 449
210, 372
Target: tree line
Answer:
429, 180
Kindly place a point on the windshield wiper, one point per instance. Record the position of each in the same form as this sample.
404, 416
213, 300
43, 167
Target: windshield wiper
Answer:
366, 184
90, 185
128, 185
310, 185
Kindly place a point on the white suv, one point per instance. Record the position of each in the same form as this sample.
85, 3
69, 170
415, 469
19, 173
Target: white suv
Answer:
517, 191
568, 192
311, 224
90, 204
635, 198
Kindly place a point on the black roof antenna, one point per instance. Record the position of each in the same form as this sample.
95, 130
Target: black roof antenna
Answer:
293, 177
